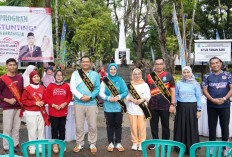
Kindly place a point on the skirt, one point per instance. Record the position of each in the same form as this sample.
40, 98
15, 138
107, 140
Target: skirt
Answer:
186, 124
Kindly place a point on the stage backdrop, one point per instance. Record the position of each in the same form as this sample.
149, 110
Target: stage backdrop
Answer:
16, 23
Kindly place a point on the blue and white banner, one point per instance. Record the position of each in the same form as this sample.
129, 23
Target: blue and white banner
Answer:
62, 46
153, 55
177, 31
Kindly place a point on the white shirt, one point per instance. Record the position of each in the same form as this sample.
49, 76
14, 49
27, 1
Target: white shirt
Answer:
102, 92
144, 91
74, 82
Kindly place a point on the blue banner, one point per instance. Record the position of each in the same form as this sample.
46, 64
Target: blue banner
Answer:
153, 55
181, 48
62, 47
217, 35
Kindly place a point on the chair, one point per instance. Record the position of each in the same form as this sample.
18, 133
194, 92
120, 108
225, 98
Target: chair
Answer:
163, 144
11, 146
43, 143
208, 144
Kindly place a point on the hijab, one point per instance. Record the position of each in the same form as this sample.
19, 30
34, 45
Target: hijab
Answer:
26, 78
32, 74
48, 78
192, 79
134, 81
55, 82
114, 78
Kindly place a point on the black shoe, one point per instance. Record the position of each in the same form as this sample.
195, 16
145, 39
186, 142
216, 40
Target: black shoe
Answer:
151, 147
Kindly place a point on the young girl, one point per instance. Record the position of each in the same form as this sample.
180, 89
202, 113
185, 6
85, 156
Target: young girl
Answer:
35, 113
58, 96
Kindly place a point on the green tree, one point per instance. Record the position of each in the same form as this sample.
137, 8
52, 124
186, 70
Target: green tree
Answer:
212, 16
90, 23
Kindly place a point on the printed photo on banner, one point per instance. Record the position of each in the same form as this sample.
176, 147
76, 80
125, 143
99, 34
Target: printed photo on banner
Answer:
26, 34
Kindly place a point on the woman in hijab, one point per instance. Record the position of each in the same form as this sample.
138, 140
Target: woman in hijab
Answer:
26, 79
35, 113
112, 108
188, 110
48, 77
135, 113
102, 73
58, 96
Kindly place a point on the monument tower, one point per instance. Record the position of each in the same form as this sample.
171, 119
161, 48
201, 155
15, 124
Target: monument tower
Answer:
122, 50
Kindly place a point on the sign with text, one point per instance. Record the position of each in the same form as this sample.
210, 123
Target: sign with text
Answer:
204, 51
26, 34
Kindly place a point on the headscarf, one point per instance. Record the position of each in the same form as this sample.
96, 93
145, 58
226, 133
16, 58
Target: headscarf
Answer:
55, 82
32, 74
192, 79
134, 81
115, 77
47, 79
26, 78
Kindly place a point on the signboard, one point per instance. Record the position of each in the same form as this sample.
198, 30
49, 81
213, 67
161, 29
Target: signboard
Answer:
204, 50
121, 54
26, 34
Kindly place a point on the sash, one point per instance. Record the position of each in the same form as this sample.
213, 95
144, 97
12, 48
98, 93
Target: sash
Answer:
37, 98
87, 83
14, 90
143, 106
160, 85
114, 91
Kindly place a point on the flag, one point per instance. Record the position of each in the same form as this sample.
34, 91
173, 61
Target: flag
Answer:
153, 55
62, 47
217, 35
177, 31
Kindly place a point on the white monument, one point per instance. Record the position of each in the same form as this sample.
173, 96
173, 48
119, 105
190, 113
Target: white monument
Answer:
122, 50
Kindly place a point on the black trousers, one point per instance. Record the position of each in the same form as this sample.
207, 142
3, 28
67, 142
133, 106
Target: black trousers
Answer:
114, 126
224, 119
154, 121
58, 127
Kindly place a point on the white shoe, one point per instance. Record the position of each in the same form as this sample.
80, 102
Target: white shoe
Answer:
140, 147
211, 150
77, 148
120, 147
225, 151
93, 148
110, 148
32, 151
134, 147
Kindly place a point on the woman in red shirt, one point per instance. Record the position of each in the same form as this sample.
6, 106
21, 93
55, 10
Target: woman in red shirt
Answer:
58, 96
35, 113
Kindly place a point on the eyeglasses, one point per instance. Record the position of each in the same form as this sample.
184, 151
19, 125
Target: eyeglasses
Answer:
158, 64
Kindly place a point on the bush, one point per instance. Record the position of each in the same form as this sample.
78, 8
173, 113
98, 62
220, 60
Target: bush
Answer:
176, 78
230, 70
3, 70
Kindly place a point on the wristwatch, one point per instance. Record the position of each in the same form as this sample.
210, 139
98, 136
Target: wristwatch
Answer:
224, 98
174, 104
90, 98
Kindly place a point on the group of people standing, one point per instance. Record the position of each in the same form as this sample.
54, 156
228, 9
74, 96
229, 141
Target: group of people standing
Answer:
151, 100
24, 96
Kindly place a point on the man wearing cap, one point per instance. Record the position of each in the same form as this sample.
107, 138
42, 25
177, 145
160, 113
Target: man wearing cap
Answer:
29, 50
217, 87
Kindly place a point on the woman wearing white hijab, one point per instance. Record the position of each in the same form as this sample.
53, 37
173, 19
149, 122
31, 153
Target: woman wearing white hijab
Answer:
26, 79
188, 110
